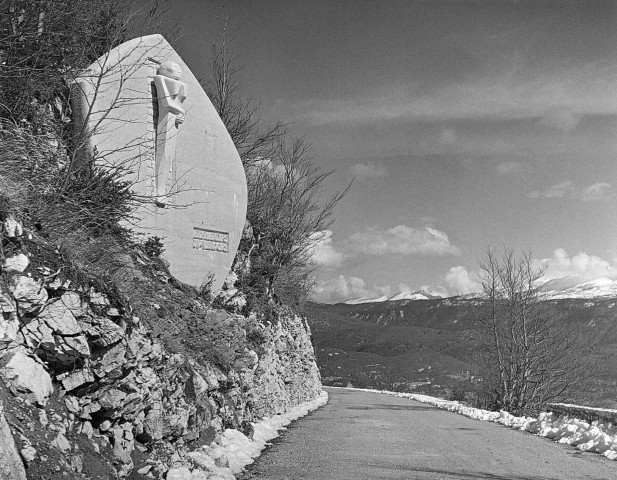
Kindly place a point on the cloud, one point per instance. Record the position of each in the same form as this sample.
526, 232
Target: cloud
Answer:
509, 168
596, 192
339, 289
323, 251
343, 288
557, 99
460, 282
456, 281
588, 267
403, 240
368, 169
556, 191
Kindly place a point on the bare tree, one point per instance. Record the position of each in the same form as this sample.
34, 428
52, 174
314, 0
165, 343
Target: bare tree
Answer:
531, 354
240, 115
287, 213
287, 206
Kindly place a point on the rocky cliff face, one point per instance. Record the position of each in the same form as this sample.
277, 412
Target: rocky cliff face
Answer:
94, 390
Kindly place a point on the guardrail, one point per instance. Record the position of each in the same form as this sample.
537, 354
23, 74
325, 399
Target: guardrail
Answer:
584, 413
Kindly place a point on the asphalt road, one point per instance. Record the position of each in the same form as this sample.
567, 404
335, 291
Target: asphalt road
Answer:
361, 435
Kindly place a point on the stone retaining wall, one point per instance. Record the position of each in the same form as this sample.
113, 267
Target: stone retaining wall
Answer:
83, 381
584, 413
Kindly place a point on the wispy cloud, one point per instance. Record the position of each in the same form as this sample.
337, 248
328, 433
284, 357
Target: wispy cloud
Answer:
556, 191
596, 192
368, 170
403, 240
558, 99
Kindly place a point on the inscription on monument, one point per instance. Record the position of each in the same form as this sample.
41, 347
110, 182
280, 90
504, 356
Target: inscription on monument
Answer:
204, 239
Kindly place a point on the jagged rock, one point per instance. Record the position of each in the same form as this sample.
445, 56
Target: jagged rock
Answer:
72, 380
7, 304
25, 375
99, 299
58, 283
87, 408
110, 364
60, 319
132, 405
103, 332
72, 404
29, 294
12, 228
175, 424
200, 386
61, 443
145, 470
124, 443
11, 466
74, 303
70, 349
38, 335
142, 348
43, 420
153, 422
87, 429
9, 329
28, 453
112, 399
16, 264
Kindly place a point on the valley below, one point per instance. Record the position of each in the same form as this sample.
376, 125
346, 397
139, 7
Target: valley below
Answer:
433, 346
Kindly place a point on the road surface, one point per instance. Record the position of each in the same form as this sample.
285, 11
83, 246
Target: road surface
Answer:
370, 436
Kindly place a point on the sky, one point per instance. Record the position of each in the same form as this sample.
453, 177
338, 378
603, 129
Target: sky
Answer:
465, 124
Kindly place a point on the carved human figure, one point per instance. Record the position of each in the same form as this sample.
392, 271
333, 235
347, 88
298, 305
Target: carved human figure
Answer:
170, 93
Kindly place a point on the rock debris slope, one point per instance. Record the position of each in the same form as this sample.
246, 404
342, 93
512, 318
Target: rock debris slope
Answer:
93, 388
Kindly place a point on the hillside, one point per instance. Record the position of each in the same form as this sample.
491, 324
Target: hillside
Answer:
430, 346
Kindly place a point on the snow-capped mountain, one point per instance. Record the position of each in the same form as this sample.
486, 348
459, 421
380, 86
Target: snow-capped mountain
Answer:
416, 295
358, 301
573, 287
558, 288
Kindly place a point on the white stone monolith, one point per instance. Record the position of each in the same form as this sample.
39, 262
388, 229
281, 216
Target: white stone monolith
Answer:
142, 110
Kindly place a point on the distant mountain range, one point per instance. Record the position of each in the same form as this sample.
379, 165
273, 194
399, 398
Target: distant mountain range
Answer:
419, 343
417, 295
559, 288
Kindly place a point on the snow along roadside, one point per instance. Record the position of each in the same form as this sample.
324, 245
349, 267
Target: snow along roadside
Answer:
239, 450
599, 437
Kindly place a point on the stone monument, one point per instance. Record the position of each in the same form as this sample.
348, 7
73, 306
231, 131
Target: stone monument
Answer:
139, 108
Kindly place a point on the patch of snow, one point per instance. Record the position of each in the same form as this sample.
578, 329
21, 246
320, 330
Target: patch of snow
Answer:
572, 287
359, 301
597, 436
239, 450
409, 296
